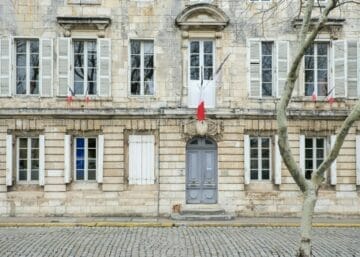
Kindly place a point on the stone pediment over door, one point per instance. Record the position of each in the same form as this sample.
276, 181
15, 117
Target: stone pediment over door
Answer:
202, 17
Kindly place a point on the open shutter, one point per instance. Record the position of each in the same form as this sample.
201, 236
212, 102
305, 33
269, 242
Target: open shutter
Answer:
9, 160
277, 165
5, 67
352, 69
333, 165
100, 160
339, 68
357, 150
246, 159
104, 71
148, 159
64, 65
135, 158
282, 56
46, 66
41, 160
302, 154
254, 68
67, 159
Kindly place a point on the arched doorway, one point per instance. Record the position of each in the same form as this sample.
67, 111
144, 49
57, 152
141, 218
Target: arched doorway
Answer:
201, 171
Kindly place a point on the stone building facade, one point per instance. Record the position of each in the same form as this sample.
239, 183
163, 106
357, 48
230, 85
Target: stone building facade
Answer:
98, 103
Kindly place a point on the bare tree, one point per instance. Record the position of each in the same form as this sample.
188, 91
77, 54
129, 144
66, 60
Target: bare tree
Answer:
309, 188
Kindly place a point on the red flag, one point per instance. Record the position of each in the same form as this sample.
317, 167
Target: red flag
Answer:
87, 99
201, 111
314, 96
331, 100
69, 99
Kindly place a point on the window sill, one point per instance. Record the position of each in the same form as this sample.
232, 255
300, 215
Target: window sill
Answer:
82, 98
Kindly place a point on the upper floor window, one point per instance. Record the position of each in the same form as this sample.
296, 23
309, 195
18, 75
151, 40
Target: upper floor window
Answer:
85, 158
85, 67
27, 66
316, 69
142, 67
28, 159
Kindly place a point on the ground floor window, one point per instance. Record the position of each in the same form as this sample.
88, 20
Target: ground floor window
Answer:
314, 154
260, 156
28, 159
85, 158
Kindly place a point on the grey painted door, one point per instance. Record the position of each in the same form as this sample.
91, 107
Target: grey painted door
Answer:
201, 171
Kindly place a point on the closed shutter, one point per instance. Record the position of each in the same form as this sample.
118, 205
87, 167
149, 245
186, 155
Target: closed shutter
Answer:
104, 62
5, 67
277, 165
246, 159
135, 157
148, 159
64, 65
41, 160
255, 68
100, 159
67, 159
302, 154
282, 56
333, 165
339, 68
357, 151
46, 66
352, 69
9, 160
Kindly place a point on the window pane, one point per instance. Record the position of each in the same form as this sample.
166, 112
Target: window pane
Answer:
309, 76
265, 174
91, 174
92, 164
34, 153
310, 50
309, 89
34, 174
80, 142
254, 174
34, 87
322, 48
208, 47
320, 143
80, 174
22, 164
23, 153
253, 153
266, 48
309, 62
34, 74
208, 73
265, 153
92, 60
80, 164
20, 46
322, 89
308, 174
194, 60
322, 76
208, 60
20, 87
135, 88
79, 60
21, 59
23, 142
254, 164
322, 62
135, 75
135, 61
79, 88
35, 143
266, 62
135, 47
92, 153
253, 142
265, 164
308, 153
148, 74
265, 142
92, 142
34, 60
22, 175
34, 46
148, 47
320, 153
80, 154
20, 73
194, 47
309, 164
267, 75
78, 74
194, 73
266, 89
35, 165
91, 74
91, 47
78, 47
149, 88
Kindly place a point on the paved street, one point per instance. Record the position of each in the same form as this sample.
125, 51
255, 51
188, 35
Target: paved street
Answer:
177, 242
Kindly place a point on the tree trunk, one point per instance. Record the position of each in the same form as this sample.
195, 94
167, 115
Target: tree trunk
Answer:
310, 198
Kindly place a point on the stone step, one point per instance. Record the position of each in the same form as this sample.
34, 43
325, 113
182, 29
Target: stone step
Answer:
192, 217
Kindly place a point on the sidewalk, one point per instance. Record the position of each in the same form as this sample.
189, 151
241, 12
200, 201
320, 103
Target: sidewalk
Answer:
164, 222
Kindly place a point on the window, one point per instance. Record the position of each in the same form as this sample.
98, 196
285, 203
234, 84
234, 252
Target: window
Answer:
141, 159
28, 159
27, 66
85, 158
314, 154
85, 67
260, 156
142, 67
316, 69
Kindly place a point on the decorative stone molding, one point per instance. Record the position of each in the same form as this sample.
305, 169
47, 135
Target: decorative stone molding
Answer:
211, 128
71, 23
333, 25
202, 16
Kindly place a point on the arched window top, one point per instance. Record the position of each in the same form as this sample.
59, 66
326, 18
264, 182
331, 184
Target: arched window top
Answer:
202, 142
202, 17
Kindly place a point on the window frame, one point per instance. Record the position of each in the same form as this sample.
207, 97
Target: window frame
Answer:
141, 40
86, 160
260, 159
28, 160
72, 65
329, 70
27, 66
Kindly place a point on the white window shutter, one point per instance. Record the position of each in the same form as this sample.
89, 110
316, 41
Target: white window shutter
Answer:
254, 68
9, 160
302, 154
357, 150
333, 165
46, 66
104, 64
64, 65
100, 159
277, 165
135, 158
246, 159
5, 67
339, 68
282, 62
352, 69
41, 160
67, 159
148, 159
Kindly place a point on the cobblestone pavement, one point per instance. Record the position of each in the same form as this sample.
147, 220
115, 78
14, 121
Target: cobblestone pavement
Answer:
169, 242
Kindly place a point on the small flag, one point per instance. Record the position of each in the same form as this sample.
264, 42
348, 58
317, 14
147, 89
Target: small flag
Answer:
201, 111
87, 99
70, 95
314, 96
330, 98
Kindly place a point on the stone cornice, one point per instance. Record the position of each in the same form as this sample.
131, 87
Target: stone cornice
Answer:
68, 23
